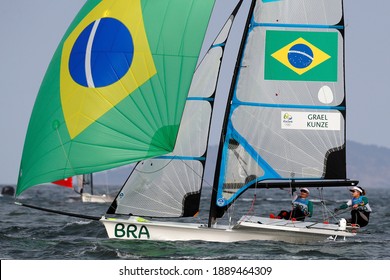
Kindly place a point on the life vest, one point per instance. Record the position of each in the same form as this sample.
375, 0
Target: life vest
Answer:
301, 204
362, 206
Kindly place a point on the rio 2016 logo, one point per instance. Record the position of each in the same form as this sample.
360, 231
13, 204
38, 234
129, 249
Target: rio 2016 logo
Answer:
287, 117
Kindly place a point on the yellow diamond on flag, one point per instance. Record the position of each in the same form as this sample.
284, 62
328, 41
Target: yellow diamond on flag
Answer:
300, 56
105, 58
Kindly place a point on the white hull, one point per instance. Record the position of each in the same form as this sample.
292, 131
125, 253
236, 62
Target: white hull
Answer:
87, 197
250, 228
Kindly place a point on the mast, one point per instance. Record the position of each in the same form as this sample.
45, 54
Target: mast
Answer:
90, 178
216, 211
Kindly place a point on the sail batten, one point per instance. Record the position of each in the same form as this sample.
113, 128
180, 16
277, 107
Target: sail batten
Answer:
309, 26
238, 103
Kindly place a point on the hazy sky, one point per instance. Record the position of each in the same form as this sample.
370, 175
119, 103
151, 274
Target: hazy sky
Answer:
31, 30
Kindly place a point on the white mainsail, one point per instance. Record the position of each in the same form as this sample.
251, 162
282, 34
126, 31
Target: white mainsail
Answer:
287, 115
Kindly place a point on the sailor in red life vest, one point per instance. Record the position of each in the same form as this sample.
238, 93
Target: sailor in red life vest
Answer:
302, 207
360, 213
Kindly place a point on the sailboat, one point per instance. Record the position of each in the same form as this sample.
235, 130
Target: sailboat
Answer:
284, 124
84, 187
85, 183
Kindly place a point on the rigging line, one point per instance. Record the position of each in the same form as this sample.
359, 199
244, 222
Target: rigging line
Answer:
157, 170
170, 160
324, 207
231, 213
241, 161
196, 173
293, 196
330, 215
322, 202
251, 209
59, 212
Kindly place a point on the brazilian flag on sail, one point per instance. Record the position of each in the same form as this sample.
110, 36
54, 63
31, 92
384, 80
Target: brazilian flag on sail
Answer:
115, 89
301, 56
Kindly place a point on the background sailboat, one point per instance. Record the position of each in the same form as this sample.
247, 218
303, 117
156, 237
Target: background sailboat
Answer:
84, 186
67, 182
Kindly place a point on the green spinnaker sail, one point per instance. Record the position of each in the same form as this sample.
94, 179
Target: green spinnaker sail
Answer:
115, 90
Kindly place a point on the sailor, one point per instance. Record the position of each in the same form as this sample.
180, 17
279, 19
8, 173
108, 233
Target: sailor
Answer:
302, 207
360, 213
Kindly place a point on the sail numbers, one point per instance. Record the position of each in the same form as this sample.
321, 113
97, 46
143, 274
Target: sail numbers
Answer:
131, 231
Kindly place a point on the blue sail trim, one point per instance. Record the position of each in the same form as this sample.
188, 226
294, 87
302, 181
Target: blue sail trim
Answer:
237, 103
269, 172
181, 158
289, 25
218, 45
